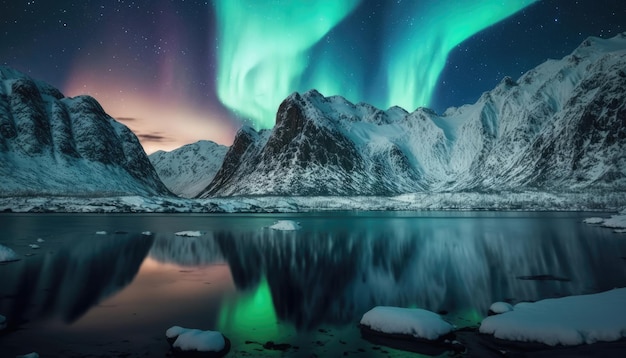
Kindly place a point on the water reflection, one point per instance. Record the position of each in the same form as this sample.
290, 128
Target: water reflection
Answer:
317, 276
69, 282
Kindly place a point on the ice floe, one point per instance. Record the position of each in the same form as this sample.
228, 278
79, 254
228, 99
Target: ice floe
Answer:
286, 225
567, 321
101, 232
188, 233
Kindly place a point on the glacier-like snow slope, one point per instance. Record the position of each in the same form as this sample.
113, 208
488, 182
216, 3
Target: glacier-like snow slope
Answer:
53, 145
189, 169
559, 127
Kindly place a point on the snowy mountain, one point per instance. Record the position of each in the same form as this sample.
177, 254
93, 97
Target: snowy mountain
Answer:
189, 169
559, 127
53, 145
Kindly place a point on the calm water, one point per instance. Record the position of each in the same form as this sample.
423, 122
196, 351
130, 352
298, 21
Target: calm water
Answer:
116, 294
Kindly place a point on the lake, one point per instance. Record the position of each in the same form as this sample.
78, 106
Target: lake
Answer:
84, 294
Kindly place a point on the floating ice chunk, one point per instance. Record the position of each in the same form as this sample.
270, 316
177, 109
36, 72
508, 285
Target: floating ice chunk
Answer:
33, 246
416, 322
7, 254
187, 339
286, 225
101, 232
620, 231
146, 233
567, 321
3, 322
40, 240
189, 233
594, 220
500, 307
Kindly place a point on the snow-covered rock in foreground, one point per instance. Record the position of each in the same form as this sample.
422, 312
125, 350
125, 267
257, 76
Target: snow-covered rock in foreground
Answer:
189, 340
565, 321
286, 225
189, 233
500, 307
7, 254
415, 322
54, 145
189, 169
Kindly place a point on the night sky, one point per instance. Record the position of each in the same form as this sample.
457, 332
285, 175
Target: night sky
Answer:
179, 71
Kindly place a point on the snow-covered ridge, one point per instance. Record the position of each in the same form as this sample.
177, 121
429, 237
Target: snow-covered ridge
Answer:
559, 127
189, 169
53, 145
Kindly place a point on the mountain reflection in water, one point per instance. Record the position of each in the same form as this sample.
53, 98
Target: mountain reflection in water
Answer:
69, 282
332, 270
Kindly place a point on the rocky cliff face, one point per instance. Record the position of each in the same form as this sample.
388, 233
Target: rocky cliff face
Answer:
559, 127
53, 145
189, 169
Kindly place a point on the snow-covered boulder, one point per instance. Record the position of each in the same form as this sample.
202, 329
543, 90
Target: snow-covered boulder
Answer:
188, 233
499, 308
7, 254
567, 321
286, 225
415, 322
188, 340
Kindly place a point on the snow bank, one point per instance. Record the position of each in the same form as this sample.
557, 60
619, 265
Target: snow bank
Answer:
615, 222
7, 254
188, 339
416, 322
286, 225
189, 233
566, 321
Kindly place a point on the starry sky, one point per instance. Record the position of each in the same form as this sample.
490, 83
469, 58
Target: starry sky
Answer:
180, 71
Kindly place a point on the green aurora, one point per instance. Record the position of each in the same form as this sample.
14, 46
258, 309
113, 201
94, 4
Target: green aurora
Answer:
266, 50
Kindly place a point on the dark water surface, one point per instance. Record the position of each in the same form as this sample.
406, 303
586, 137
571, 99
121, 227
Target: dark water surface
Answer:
84, 294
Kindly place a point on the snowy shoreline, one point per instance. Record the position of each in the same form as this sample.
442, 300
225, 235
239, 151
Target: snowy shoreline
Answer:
516, 201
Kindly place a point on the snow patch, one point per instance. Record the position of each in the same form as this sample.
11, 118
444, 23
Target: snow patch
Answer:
189, 233
286, 225
7, 254
566, 321
188, 339
416, 322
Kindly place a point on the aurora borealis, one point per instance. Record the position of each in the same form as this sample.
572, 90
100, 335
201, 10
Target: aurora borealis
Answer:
264, 53
176, 72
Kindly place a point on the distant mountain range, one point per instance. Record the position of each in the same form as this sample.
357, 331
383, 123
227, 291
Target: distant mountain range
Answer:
559, 127
53, 145
186, 171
